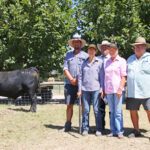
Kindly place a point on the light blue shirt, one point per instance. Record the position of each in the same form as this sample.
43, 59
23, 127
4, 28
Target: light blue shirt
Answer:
73, 63
138, 76
91, 77
104, 58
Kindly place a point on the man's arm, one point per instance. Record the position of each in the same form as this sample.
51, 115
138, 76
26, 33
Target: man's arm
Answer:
72, 80
101, 80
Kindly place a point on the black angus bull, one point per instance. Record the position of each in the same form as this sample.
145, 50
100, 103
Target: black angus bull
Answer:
16, 83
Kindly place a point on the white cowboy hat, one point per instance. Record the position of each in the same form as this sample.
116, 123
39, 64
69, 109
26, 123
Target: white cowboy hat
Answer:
141, 41
105, 42
77, 37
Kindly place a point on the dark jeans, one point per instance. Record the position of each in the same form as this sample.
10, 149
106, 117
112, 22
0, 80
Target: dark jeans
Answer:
87, 97
102, 109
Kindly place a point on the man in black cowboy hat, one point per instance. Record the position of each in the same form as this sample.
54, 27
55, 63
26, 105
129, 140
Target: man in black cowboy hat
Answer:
72, 65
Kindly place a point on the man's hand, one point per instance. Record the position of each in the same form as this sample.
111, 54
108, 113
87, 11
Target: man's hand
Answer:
119, 93
79, 94
74, 81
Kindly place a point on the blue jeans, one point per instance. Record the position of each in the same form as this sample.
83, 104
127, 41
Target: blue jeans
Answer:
95, 97
115, 106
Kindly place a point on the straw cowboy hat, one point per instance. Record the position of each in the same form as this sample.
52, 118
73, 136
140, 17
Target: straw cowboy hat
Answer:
105, 42
141, 41
77, 37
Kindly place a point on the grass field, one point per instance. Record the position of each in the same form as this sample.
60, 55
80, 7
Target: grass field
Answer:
23, 130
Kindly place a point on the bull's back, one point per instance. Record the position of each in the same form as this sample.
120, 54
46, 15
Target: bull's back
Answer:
15, 83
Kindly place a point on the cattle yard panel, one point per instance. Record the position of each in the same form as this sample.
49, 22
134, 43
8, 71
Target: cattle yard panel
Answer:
44, 95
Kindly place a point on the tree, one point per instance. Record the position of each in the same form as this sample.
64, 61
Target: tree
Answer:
35, 33
119, 21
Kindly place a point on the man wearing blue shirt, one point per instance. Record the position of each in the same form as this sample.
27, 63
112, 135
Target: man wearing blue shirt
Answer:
72, 66
138, 76
103, 47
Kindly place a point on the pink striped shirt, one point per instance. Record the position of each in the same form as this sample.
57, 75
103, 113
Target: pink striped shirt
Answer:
114, 71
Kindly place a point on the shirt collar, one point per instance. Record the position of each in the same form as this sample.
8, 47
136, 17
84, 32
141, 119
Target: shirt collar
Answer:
107, 56
95, 60
77, 54
146, 54
117, 58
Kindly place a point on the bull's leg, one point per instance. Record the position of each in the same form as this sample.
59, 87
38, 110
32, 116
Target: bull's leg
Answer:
33, 98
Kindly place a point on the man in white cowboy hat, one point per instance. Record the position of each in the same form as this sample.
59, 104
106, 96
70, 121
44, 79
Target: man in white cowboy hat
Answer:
103, 47
138, 76
72, 65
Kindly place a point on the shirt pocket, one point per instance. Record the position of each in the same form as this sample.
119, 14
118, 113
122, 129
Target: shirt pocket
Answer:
80, 61
131, 71
70, 61
145, 67
116, 68
85, 74
130, 67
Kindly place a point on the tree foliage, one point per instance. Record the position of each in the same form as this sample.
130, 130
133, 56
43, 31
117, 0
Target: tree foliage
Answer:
119, 21
35, 33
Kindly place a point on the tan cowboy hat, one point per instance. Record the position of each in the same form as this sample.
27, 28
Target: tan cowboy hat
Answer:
141, 41
92, 46
77, 37
105, 42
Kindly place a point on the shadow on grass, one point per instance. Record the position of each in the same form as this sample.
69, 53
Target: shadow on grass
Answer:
61, 128
19, 109
92, 130
127, 131
75, 129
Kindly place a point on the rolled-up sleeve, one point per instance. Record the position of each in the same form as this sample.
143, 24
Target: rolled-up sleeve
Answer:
65, 67
123, 69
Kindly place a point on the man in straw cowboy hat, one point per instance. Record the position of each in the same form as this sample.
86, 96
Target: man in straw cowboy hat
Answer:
103, 47
138, 76
72, 65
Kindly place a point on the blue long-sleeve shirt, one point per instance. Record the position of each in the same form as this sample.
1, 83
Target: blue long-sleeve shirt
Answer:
91, 77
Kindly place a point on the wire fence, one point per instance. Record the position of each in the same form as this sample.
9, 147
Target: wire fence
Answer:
49, 94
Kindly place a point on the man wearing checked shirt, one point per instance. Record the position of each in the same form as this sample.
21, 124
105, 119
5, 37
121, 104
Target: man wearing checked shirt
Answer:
138, 83
72, 66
